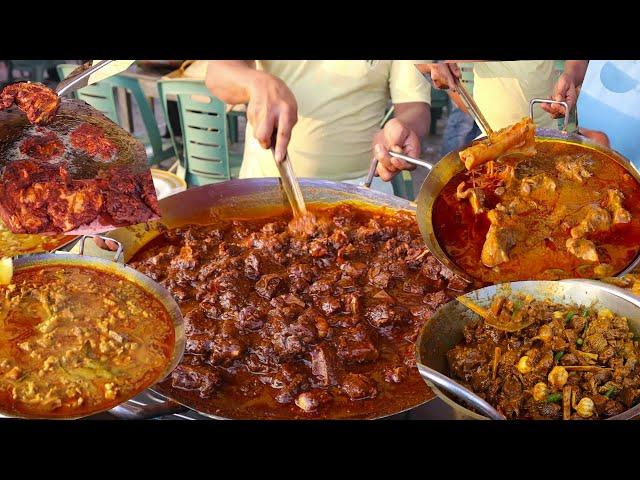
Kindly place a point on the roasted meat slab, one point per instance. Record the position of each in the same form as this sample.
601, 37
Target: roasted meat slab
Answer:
36, 100
80, 173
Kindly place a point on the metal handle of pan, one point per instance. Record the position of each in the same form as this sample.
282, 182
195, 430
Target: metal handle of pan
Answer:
406, 158
544, 100
117, 255
454, 388
131, 411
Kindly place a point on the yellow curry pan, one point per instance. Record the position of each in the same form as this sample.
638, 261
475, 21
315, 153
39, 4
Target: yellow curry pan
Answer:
64, 259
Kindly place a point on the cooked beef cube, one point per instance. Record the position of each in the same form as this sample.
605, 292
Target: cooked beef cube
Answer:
199, 344
384, 314
329, 305
378, 277
318, 248
354, 269
414, 287
355, 346
294, 338
252, 267
395, 375
224, 350
457, 283
358, 387
322, 286
312, 400
250, 318
191, 377
268, 285
435, 300
338, 239
464, 361
431, 268
196, 323
289, 381
323, 364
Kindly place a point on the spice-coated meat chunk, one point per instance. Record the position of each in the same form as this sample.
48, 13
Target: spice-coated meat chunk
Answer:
37, 101
191, 377
357, 386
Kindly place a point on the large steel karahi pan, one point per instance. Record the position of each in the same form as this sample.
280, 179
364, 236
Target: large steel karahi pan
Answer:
113, 267
237, 198
450, 165
443, 330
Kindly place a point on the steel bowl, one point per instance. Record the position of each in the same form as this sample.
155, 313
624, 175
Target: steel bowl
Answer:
450, 165
443, 330
128, 274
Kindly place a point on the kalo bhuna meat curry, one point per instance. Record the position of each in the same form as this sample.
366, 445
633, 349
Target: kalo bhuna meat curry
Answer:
74, 341
570, 362
313, 319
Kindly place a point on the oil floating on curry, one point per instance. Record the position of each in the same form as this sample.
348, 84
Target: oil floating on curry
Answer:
75, 341
561, 211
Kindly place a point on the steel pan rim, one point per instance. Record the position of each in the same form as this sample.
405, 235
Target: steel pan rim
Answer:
625, 295
248, 186
157, 291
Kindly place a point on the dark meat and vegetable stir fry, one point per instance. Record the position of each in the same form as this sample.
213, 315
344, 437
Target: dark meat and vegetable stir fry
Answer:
285, 320
571, 362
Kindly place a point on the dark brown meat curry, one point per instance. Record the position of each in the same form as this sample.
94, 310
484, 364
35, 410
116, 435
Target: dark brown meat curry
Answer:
290, 322
571, 362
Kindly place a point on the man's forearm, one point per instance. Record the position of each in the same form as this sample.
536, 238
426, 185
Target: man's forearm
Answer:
576, 69
230, 80
415, 115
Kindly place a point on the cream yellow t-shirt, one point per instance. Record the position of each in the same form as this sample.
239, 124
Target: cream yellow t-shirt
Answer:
502, 90
340, 106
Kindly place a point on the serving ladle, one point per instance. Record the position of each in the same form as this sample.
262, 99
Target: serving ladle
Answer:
491, 320
454, 388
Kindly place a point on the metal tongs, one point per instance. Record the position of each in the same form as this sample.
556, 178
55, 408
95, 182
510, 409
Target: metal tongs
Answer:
472, 106
81, 77
290, 182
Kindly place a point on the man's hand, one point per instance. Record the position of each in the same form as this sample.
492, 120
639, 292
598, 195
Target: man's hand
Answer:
564, 91
397, 137
443, 75
596, 136
272, 107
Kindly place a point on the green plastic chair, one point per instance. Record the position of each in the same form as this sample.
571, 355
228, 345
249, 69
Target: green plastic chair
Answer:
204, 156
101, 96
36, 68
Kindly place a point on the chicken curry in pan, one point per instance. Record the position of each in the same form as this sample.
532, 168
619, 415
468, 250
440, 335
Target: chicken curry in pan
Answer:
560, 211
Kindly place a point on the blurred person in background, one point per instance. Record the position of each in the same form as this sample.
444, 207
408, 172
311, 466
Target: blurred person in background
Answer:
606, 94
326, 115
461, 128
502, 90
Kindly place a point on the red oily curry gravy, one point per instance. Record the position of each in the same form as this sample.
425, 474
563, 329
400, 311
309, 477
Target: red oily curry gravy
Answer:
568, 212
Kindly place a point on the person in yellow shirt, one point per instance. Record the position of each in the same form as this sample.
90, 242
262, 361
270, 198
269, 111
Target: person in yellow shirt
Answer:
326, 114
502, 90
